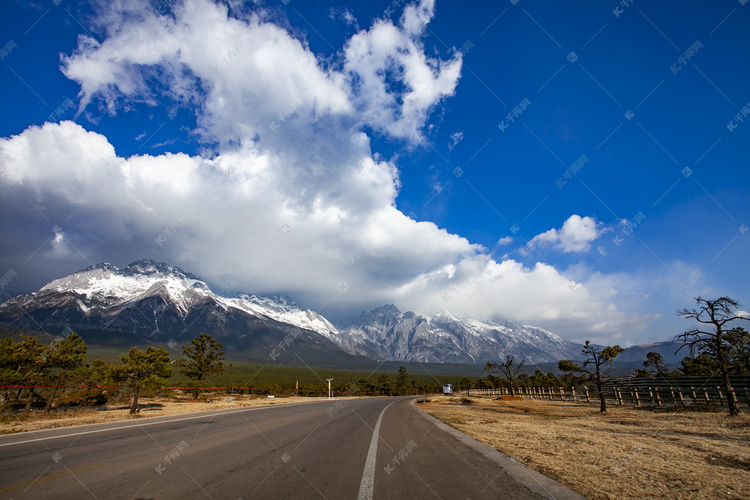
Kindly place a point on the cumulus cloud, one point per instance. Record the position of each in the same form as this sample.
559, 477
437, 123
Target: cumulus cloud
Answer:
387, 57
576, 235
540, 295
292, 199
229, 68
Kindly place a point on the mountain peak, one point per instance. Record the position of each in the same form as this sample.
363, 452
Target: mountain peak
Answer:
387, 313
149, 267
380, 314
275, 300
102, 266
384, 309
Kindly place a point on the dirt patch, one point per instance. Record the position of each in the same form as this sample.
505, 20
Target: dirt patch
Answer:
623, 453
148, 407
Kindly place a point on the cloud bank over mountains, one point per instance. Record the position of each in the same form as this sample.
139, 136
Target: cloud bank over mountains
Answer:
287, 193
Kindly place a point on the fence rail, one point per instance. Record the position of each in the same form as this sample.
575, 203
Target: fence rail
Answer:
673, 391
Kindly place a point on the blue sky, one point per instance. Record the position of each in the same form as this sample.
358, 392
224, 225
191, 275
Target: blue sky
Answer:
580, 167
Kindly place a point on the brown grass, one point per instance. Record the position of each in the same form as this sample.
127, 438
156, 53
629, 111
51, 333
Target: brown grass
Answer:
623, 453
149, 407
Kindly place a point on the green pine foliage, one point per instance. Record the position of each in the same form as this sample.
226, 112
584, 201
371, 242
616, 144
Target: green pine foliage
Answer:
203, 357
142, 370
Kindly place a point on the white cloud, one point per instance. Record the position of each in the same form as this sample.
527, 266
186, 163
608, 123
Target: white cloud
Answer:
456, 137
243, 86
504, 241
540, 295
345, 15
387, 81
575, 235
386, 57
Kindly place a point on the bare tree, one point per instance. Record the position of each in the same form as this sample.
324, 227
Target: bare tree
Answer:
713, 341
596, 365
509, 369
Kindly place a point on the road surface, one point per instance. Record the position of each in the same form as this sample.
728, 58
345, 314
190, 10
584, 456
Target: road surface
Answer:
358, 448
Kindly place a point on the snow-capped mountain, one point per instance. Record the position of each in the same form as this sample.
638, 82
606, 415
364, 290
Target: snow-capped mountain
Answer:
163, 303
385, 333
102, 293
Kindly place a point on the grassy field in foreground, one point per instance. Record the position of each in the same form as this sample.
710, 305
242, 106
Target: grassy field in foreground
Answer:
120, 410
623, 453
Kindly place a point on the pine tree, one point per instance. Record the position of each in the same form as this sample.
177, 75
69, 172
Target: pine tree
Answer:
22, 364
63, 357
202, 357
402, 381
656, 361
142, 369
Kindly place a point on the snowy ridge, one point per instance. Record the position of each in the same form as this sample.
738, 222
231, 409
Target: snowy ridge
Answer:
106, 286
385, 333
284, 310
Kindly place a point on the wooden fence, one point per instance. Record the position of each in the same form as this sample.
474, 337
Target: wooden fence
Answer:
671, 391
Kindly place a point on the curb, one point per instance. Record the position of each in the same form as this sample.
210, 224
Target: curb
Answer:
531, 479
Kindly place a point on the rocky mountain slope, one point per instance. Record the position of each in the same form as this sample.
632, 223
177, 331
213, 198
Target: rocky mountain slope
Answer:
385, 333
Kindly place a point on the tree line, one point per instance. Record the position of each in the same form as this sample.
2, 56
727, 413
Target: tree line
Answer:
35, 374
715, 347
403, 384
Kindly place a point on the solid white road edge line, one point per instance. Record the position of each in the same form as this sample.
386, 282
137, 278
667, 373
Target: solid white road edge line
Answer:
367, 486
192, 417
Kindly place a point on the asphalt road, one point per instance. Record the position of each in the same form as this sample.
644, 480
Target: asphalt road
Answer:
359, 448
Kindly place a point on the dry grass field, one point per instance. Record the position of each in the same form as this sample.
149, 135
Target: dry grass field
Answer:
623, 453
149, 407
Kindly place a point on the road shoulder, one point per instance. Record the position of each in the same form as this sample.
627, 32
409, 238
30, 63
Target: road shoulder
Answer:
533, 480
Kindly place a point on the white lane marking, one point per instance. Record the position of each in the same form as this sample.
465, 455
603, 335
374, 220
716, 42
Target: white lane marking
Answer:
146, 423
367, 486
